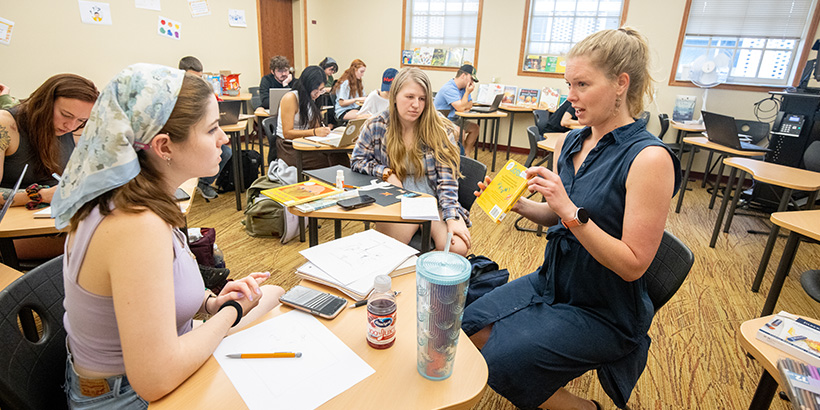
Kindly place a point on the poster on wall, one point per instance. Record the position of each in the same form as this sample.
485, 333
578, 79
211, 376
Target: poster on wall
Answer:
169, 28
199, 8
92, 12
5, 31
236, 18
147, 4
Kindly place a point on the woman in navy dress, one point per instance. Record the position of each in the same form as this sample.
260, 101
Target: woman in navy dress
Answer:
607, 200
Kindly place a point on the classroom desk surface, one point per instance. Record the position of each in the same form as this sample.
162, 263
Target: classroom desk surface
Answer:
687, 127
495, 117
261, 112
549, 141
8, 275
240, 97
396, 383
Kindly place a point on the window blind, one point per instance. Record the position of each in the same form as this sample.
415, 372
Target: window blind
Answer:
748, 18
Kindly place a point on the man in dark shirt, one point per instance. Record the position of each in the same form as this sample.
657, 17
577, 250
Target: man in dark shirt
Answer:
563, 118
280, 77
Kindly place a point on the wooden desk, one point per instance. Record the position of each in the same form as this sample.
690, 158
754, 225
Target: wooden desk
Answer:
512, 110
372, 213
233, 132
683, 131
775, 174
395, 385
8, 275
244, 97
495, 117
765, 354
801, 224
704, 143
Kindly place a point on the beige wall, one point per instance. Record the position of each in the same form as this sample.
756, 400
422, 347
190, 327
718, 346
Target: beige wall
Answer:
348, 29
49, 38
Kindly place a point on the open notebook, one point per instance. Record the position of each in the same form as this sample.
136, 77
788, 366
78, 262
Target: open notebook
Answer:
342, 136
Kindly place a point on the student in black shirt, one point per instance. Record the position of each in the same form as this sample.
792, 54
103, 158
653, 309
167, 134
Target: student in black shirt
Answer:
280, 77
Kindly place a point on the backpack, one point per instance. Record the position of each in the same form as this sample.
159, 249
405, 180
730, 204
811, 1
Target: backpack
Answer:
251, 161
263, 216
485, 276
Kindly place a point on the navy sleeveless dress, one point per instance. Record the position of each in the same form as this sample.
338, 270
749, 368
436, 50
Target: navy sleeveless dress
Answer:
573, 314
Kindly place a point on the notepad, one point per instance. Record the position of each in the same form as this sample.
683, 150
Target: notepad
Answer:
357, 290
44, 213
423, 208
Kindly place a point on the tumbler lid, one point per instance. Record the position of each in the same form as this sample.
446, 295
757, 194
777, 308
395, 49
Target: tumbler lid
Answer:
443, 268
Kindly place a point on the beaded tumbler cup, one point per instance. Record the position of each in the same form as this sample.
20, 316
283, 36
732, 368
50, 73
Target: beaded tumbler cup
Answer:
441, 289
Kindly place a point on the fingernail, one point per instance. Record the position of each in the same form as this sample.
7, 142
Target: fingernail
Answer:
240, 294
258, 291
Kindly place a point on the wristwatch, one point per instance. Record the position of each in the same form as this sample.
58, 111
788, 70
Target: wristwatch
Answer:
386, 174
581, 217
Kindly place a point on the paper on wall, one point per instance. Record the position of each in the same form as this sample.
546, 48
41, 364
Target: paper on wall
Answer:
5, 31
92, 12
199, 8
169, 28
236, 18
147, 4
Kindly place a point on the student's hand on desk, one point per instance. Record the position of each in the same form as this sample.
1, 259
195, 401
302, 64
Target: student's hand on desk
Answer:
245, 291
48, 194
459, 228
321, 131
549, 185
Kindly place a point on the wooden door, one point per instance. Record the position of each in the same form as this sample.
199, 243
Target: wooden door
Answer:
275, 31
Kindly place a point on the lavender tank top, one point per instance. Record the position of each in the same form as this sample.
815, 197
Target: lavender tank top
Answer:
89, 319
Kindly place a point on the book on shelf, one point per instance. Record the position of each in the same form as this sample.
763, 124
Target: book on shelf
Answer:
549, 98
454, 57
426, 56
528, 97
439, 55
551, 63
801, 382
561, 64
407, 56
794, 336
510, 92
358, 290
684, 108
533, 63
504, 191
301, 192
487, 93
417, 55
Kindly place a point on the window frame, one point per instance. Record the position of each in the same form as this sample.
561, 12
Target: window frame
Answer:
799, 62
524, 33
435, 67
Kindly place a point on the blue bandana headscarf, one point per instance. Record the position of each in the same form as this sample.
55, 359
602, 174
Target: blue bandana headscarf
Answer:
129, 113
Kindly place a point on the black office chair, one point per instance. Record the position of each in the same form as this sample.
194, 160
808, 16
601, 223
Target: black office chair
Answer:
674, 146
644, 116
269, 128
256, 101
664, 119
541, 118
32, 373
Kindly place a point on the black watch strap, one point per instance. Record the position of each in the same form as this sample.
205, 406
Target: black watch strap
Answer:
236, 305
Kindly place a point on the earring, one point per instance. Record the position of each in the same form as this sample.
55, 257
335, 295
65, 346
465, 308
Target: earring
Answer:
167, 160
617, 105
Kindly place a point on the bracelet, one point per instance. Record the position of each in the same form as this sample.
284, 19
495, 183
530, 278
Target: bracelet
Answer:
34, 196
386, 174
211, 296
236, 305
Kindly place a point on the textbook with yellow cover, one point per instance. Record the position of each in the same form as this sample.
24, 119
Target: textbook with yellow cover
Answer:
504, 191
301, 192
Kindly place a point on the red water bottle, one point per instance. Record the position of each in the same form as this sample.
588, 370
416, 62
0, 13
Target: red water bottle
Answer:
381, 314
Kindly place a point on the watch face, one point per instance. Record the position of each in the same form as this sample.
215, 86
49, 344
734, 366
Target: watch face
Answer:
582, 215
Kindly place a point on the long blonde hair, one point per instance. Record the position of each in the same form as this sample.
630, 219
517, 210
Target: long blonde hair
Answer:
624, 50
431, 131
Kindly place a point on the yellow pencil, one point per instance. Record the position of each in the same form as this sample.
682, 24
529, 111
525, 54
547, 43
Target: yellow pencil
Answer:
263, 355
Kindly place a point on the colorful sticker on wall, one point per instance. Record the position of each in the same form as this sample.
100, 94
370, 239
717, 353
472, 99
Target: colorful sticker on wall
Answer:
236, 18
147, 4
5, 31
92, 12
199, 8
169, 28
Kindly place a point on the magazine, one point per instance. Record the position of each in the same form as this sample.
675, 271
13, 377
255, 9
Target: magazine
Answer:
684, 108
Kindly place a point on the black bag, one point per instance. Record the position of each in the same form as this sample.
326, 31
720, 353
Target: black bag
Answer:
251, 161
484, 277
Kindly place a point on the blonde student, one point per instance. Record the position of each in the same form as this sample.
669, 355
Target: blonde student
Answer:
132, 286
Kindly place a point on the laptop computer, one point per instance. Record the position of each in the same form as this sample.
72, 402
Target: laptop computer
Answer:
7, 205
342, 136
721, 129
229, 112
275, 96
492, 108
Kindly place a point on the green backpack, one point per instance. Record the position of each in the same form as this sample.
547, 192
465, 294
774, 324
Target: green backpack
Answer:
263, 216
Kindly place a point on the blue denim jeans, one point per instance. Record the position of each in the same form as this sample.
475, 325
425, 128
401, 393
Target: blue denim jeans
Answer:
121, 396
224, 157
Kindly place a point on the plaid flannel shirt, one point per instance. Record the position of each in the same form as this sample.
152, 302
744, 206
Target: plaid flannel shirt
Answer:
370, 157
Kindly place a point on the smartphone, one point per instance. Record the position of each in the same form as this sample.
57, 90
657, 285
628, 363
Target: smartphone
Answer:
181, 195
355, 202
314, 302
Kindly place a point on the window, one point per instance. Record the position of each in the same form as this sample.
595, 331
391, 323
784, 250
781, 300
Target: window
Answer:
758, 42
552, 27
441, 34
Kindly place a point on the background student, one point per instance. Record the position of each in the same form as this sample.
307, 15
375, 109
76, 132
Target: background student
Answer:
411, 146
6, 100
40, 132
192, 65
454, 95
563, 119
130, 301
280, 77
376, 101
299, 116
349, 91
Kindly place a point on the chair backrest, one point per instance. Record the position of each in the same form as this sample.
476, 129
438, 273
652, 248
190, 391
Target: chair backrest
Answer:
256, 101
644, 116
445, 112
668, 270
811, 158
269, 128
664, 124
533, 135
541, 118
32, 373
755, 129
472, 173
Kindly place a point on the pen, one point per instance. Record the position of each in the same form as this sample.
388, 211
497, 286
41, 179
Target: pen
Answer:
364, 301
263, 355
57, 177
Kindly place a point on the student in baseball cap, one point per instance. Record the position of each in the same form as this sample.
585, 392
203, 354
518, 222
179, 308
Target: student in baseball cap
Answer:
454, 96
376, 101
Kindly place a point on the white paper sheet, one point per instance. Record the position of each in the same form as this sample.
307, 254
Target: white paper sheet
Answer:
236, 18
147, 4
327, 366
364, 254
92, 12
424, 208
6, 27
199, 8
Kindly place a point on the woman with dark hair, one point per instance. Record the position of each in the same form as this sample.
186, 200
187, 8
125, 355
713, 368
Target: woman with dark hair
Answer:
329, 65
40, 133
299, 116
349, 91
130, 301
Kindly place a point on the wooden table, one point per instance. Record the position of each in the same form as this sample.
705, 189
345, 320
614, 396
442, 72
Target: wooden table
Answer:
801, 224
765, 354
512, 110
683, 131
372, 213
703, 142
8, 275
395, 385
775, 174
244, 97
495, 117
238, 179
